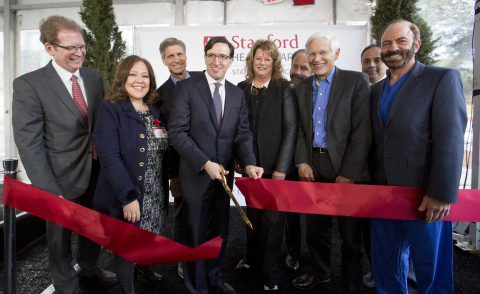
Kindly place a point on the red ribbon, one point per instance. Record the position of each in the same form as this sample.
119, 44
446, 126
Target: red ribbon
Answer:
351, 200
130, 242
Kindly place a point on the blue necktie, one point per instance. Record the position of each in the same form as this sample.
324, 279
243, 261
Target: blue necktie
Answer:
217, 100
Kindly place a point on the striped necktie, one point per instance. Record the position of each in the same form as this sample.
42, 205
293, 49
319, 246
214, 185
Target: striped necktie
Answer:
82, 106
217, 100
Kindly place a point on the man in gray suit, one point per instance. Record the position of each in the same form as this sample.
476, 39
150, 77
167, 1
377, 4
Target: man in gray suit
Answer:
54, 113
418, 122
333, 143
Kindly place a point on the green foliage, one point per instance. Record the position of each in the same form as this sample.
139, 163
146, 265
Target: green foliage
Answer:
102, 34
388, 10
452, 23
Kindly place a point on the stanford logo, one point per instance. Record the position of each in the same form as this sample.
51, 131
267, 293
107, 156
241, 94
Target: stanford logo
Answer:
207, 38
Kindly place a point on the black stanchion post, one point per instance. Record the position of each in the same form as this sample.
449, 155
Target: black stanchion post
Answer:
9, 234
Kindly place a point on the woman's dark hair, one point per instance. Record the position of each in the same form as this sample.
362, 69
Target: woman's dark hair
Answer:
118, 93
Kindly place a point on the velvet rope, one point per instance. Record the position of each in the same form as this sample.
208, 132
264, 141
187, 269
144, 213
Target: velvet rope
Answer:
351, 200
130, 242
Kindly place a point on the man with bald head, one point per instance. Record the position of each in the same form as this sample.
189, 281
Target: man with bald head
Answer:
418, 122
299, 71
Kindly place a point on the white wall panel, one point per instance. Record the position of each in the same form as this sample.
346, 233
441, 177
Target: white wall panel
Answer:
353, 10
255, 11
26, 2
289, 38
29, 19
203, 13
145, 13
128, 14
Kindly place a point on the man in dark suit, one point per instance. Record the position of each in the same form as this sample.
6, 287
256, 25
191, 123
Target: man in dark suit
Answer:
418, 123
54, 113
174, 56
373, 66
206, 133
333, 143
299, 71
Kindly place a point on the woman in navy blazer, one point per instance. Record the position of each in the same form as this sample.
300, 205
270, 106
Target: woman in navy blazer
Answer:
131, 185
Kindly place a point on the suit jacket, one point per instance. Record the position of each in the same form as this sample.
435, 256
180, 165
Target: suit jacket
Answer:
52, 138
165, 93
119, 137
348, 124
421, 144
197, 138
277, 127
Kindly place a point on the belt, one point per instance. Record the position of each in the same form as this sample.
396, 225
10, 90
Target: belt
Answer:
321, 150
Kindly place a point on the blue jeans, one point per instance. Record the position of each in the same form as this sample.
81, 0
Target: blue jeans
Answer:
431, 248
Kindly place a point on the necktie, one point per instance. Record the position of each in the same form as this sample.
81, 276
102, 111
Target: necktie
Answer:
217, 100
82, 106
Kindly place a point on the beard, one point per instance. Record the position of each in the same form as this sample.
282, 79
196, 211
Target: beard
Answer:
292, 76
407, 55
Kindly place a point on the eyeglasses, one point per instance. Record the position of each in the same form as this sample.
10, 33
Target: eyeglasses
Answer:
73, 49
221, 57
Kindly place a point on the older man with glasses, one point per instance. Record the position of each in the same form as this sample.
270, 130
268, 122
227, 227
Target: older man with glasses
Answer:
54, 114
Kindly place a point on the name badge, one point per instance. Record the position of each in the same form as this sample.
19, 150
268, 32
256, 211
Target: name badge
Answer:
160, 132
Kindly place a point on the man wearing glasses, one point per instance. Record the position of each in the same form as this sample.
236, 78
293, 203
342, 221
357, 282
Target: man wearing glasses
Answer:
208, 124
54, 113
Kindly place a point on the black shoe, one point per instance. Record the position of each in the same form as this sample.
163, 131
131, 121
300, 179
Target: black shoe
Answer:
225, 289
180, 270
270, 290
292, 263
308, 281
241, 266
147, 272
102, 278
368, 280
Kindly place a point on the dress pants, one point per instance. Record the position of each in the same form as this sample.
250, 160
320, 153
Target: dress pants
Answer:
177, 219
429, 245
203, 220
60, 247
319, 236
264, 243
293, 234
293, 231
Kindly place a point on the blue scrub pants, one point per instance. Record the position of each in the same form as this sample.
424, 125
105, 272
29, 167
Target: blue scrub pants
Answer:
431, 248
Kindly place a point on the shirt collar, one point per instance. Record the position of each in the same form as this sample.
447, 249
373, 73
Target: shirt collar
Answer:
399, 82
175, 80
384, 76
64, 74
328, 79
263, 86
211, 80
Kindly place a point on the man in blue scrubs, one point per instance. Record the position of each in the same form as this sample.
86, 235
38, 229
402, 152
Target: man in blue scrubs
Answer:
418, 123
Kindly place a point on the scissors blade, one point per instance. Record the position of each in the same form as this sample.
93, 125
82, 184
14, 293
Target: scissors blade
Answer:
229, 192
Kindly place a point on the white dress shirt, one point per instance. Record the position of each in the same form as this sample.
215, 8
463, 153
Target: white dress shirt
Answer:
66, 78
263, 86
211, 83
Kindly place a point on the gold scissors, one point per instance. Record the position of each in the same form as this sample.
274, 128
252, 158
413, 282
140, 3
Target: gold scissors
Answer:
229, 192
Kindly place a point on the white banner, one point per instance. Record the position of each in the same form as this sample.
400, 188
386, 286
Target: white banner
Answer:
288, 39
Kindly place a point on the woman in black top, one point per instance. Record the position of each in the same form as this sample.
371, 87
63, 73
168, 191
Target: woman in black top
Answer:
273, 118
